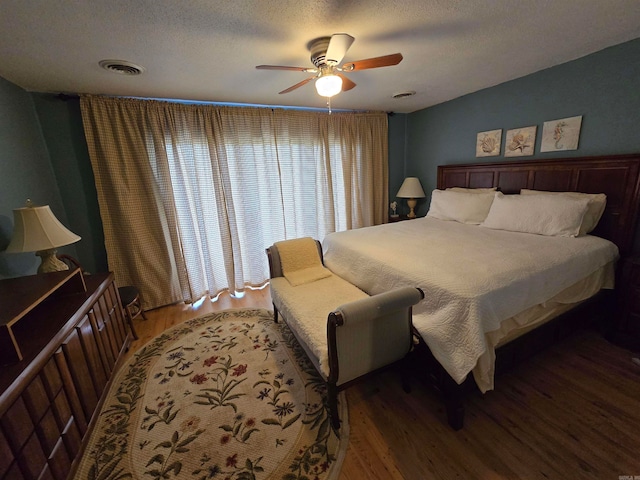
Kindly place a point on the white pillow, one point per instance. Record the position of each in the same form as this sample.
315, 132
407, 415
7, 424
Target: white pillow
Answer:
473, 190
597, 202
552, 215
463, 207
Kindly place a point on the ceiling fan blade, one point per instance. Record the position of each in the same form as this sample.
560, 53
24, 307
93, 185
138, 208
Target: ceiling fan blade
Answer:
338, 46
347, 83
385, 61
280, 67
298, 85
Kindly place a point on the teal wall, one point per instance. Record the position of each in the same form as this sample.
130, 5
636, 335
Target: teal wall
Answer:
25, 172
43, 156
61, 122
603, 87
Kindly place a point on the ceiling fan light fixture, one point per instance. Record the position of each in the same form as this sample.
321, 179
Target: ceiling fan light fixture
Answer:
326, 55
329, 85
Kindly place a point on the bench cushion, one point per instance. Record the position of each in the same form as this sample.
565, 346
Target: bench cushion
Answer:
306, 308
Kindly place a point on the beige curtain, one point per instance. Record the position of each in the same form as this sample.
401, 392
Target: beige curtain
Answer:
191, 195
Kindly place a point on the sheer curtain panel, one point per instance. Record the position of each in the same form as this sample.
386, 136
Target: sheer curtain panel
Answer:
191, 195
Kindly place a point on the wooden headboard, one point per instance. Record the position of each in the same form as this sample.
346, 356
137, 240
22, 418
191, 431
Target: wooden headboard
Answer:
617, 176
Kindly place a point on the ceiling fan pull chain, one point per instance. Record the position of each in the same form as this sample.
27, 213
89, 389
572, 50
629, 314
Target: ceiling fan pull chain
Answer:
329, 104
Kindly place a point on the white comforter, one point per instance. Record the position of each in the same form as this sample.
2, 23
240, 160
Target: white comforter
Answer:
473, 277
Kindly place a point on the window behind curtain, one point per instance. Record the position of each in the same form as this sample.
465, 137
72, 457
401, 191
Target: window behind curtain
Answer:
220, 184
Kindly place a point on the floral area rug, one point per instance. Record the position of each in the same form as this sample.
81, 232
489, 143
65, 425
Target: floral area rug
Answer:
229, 395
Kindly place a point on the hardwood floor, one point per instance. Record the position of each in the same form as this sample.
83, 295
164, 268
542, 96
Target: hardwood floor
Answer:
571, 412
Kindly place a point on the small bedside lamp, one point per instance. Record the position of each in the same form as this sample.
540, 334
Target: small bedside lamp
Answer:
411, 189
36, 229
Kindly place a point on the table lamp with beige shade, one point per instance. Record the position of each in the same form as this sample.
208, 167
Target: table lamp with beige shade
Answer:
411, 189
36, 229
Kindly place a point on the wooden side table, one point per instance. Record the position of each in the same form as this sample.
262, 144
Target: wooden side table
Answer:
130, 298
399, 218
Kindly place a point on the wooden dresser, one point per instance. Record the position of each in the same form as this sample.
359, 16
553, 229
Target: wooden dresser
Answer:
61, 336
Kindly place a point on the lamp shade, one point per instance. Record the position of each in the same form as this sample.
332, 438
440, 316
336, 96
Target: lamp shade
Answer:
411, 188
36, 229
329, 85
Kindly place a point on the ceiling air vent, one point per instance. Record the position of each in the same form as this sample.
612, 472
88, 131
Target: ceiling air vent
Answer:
122, 67
403, 94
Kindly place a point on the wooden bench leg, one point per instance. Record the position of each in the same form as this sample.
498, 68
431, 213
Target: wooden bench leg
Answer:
332, 392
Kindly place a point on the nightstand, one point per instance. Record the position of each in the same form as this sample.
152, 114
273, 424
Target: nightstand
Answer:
399, 218
628, 322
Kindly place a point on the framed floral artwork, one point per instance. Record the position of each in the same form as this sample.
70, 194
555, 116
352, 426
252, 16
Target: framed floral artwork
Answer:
520, 142
488, 143
561, 134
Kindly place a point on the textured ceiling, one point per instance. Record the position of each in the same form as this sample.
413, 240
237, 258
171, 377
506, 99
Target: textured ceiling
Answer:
206, 50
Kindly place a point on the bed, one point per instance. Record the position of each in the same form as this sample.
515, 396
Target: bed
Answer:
494, 296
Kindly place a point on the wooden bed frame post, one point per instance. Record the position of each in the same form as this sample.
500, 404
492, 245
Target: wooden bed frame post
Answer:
425, 366
454, 402
405, 373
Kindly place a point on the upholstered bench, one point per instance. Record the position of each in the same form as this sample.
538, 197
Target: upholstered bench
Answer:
345, 332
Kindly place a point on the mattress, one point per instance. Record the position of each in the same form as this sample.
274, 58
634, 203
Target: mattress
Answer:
476, 280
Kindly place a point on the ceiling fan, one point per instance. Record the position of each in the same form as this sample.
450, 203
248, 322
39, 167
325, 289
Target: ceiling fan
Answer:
326, 55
